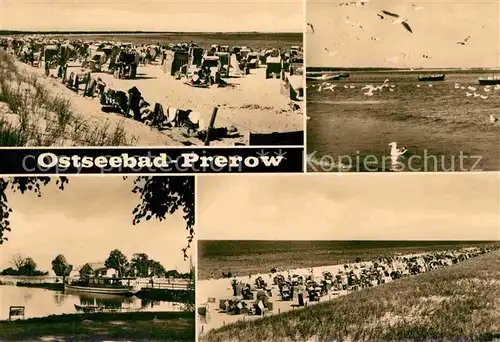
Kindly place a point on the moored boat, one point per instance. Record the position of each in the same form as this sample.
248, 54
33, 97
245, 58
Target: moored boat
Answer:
489, 80
430, 78
103, 285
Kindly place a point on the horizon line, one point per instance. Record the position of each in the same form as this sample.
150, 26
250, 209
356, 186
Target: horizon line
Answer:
143, 31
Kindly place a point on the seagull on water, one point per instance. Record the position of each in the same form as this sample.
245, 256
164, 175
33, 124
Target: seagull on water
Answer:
395, 151
493, 119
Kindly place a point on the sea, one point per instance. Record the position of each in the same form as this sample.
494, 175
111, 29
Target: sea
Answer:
253, 40
244, 257
442, 128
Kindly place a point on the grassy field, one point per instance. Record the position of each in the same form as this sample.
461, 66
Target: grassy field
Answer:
100, 327
31, 116
244, 257
457, 303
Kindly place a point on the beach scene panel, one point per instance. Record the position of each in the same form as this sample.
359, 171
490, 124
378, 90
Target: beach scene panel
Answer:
422, 75
349, 258
151, 81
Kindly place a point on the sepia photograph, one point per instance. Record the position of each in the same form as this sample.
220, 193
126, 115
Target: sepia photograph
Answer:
141, 73
97, 259
349, 258
403, 85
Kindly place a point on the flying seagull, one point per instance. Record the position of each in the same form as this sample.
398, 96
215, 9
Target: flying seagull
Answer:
417, 8
331, 53
380, 16
391, 14
465, 41
311, 26
402, 21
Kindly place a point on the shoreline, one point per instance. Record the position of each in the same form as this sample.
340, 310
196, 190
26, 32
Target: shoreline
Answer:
221, 288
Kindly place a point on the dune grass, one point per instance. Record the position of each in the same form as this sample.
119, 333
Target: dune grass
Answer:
457, 303
43, 119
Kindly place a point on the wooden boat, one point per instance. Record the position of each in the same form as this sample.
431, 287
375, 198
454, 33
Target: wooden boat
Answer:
489, 80
103, 285
430, 78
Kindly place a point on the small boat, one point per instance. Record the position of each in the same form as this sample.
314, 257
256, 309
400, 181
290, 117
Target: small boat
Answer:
430, 78
489, 80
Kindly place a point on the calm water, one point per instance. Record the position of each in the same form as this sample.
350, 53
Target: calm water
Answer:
41, 302
435, 123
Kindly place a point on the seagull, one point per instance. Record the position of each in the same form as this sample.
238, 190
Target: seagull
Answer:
380, 16
465, 41
377, 39
417, 8
468, 94
484, 97
397, 152
402, 21
471, 88
493, 119
311, 26
331, 53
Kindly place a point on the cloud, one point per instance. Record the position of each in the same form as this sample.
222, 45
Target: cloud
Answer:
352, 206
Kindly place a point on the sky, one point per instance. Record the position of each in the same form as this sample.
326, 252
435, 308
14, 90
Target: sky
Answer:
87, 220
437, 27
164, 15
423, 206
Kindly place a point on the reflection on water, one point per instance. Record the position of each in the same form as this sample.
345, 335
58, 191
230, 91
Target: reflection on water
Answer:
41, 302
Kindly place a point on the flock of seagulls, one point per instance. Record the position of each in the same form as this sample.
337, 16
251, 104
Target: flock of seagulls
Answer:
369, 90
385, 15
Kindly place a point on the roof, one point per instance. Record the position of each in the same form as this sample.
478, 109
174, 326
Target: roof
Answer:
95, 265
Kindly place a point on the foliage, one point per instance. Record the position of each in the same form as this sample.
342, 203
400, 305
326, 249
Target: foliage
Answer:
61, 267
117, 260
140, 264
160, 197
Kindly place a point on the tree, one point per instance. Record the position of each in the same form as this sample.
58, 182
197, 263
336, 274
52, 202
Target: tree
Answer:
118, 261
61, 267
28, 268
160, 197
18, 261
156, 268
140, 264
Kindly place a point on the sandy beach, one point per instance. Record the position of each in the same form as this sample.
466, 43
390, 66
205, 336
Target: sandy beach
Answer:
221, 288
250, 103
